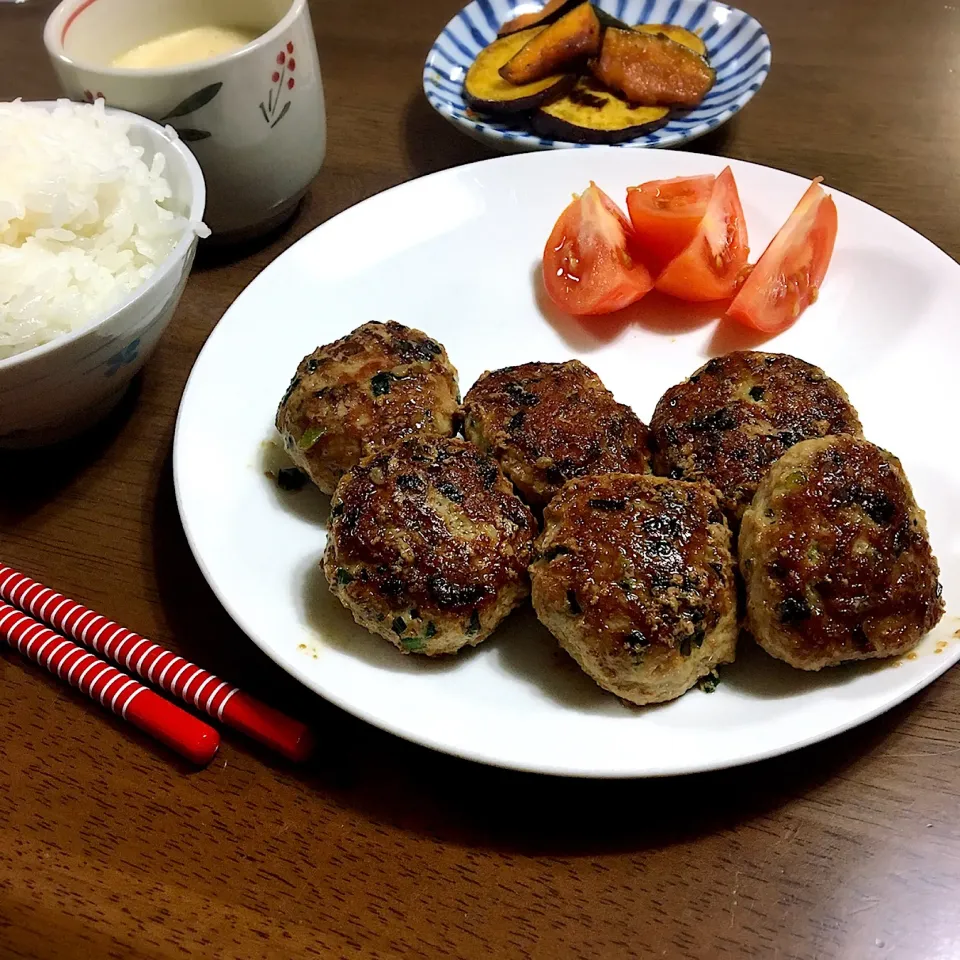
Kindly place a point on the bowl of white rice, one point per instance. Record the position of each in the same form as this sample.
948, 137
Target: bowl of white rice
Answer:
100, 211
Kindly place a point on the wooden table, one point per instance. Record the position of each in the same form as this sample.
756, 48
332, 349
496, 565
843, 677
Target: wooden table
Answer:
111, 848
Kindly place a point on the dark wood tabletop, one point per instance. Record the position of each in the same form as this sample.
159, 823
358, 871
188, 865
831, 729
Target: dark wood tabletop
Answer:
111, 847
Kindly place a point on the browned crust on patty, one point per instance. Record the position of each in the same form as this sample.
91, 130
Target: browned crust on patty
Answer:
738, 414
366, 390
836, 557
550, 422
635, 579
429, 532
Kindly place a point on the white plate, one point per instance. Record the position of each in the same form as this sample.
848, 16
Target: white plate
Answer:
457, 254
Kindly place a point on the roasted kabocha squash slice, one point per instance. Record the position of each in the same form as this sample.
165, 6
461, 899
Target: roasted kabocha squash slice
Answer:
652, 69
573, 38
590, 113
487, 92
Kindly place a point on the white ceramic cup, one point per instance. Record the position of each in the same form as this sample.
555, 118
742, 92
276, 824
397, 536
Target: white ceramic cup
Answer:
254, 118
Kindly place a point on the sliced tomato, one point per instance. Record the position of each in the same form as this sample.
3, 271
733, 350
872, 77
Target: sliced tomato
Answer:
788, 275
588, 267
708, 268
665, 215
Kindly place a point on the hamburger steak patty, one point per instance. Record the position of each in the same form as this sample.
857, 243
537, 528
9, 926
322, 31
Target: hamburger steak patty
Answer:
835, 556
549, 422
634, 578
738, 414
428, 545
368, 389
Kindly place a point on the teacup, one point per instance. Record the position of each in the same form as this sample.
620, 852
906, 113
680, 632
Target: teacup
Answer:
253, 117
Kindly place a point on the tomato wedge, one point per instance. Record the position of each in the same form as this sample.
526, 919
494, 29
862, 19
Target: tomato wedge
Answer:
788, 275
708, 268
665, 215
587, 264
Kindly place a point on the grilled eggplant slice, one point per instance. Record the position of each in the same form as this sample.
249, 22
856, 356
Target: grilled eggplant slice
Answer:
487, 92
652, 69
590, 113
550, 11
677, 34
573, 37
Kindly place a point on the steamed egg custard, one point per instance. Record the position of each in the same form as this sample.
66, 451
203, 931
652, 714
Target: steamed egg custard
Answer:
185, 46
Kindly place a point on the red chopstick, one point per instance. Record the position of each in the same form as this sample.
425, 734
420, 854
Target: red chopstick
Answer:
161, 667
158, 666
190, 737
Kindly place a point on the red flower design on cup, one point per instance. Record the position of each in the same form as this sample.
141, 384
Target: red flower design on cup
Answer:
272, 110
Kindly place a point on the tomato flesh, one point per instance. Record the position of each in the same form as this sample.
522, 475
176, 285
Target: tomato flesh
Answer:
665, 215
588, 264
709, 267
789, 273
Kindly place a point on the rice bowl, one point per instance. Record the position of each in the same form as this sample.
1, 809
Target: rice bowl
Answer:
54, 390
82, 219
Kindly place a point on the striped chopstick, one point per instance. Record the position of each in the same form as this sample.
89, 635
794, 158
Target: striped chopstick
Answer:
156, 665
179, 730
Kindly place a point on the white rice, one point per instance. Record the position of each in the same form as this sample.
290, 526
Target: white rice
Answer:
82, 219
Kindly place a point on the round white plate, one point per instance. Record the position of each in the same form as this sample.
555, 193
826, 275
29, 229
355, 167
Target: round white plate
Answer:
458, 254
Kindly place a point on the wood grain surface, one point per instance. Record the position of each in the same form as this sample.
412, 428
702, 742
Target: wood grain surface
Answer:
111, 848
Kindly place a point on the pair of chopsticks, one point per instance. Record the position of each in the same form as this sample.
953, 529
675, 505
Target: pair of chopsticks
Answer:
22, 599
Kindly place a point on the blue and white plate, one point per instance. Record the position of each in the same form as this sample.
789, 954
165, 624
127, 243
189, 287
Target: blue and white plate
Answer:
737, 47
